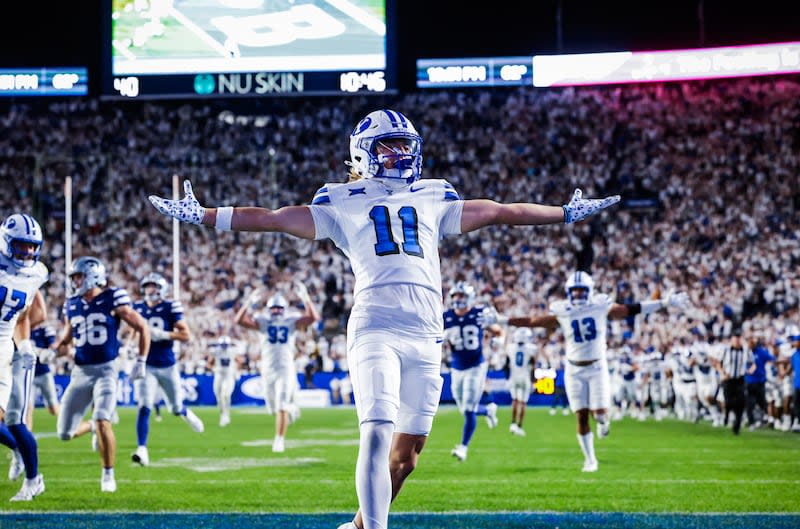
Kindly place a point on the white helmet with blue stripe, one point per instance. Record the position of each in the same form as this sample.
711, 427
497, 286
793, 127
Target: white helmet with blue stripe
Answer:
466, 293
162, 287
522, 335
579, 287
93, 272
377, 129
20, 229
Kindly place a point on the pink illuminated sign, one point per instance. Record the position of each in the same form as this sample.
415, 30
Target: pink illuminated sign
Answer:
672, 65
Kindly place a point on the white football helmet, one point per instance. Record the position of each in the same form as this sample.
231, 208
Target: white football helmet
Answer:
93, 272
162, 287
522, 335
793, 333
276, 305
578, 281
371, 131
467, 293
20, 228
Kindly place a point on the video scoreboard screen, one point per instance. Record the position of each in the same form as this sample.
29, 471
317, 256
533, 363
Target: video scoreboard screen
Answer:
248, 48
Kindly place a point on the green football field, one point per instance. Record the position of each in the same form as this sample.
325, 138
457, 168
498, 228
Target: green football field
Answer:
664, 467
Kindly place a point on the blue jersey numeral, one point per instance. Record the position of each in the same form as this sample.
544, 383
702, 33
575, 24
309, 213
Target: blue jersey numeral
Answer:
520, 358
584, 330
16, 295
385, 244
277, 334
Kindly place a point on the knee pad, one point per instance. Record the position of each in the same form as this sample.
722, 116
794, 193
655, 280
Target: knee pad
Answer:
601, 418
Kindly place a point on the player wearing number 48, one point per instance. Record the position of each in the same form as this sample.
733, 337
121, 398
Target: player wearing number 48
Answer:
389, 223
582, 318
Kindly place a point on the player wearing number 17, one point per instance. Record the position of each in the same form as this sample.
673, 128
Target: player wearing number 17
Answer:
388, 222
92, 317
583, 317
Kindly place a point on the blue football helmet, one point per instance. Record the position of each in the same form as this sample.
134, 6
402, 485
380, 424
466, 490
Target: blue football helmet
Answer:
467, 295
579, 288
377, 129
19, 228
162, 287
93, 272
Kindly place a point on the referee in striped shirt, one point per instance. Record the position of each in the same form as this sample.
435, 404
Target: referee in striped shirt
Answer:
732, 367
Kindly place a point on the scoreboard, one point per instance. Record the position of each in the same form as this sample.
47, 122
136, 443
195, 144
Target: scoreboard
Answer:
224, 48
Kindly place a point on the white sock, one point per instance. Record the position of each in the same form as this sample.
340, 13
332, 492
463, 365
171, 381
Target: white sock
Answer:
587, 445
373, 481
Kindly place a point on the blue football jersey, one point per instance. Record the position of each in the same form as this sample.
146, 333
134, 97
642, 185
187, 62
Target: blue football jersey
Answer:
465, 337
164, 316
94, 326
43, 337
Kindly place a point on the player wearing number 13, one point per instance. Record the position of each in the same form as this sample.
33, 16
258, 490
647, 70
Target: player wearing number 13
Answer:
388, 222
92, 317
583, 317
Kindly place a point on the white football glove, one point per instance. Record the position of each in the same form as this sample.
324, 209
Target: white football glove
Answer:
679, 300
253, 298
139, 368
46, 355
579, 208
496, 343
301, 292
187, 209
159, 335
489, 316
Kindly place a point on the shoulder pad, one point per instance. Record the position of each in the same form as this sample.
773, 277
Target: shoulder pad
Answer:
323, 194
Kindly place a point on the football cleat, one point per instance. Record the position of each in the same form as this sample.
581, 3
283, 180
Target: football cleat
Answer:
194, 421
278, 445
141, 456
491, 415
224, 420
516, 430
17, 467
603, 429
459, 452
108, 484
589, 466
30, 489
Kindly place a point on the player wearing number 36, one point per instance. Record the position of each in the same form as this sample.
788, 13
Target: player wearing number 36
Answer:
93, 313
389, 223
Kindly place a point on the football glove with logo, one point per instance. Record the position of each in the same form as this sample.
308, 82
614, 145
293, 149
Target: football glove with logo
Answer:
187, 209
579, 208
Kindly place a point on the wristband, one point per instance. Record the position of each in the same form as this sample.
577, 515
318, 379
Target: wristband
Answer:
651, 306
224, 218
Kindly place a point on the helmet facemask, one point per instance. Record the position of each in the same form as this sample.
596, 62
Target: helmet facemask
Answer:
386, 137
21, 240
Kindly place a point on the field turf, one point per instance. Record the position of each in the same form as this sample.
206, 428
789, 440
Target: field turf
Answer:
645, 467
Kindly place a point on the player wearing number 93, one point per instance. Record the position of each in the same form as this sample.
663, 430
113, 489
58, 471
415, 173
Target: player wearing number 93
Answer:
583, 317
388, 222
92, 316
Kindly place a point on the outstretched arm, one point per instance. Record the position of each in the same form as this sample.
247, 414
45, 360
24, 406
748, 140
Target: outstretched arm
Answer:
480, 213
294, 220
547, 321
679, 300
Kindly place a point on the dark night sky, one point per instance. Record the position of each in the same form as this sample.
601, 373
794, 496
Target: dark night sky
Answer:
67, 33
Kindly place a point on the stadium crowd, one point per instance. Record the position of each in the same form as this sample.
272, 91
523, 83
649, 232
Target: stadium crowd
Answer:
708, 172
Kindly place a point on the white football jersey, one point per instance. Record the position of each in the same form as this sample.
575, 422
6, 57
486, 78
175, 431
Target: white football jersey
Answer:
391, 236
279, 346
225, 358
584, 327
18, 287
520, 358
